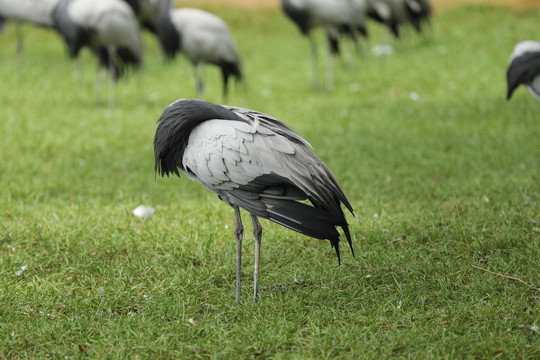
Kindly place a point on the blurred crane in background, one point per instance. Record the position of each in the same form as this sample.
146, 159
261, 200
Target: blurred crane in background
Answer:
253, 161
203, 38
146, 11
36, 12
335, 16
111, 31
396, 13
524, 68
418, 12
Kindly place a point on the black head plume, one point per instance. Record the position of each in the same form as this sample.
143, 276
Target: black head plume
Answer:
175, 126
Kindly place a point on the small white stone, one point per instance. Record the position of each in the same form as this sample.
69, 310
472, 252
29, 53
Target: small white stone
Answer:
20, 271
414, 96
143, 211
382, 50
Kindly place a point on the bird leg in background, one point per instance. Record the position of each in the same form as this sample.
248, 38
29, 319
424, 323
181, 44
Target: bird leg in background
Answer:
112, 91
99, 84
357, 43
199, 84
20, 42
238, 233
315, 62
78, 70
113, 76
329, 70
257, 234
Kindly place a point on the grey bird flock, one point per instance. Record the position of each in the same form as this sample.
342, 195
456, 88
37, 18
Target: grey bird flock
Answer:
111, 29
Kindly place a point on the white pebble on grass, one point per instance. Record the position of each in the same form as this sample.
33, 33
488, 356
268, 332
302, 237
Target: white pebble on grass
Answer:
143, 211
382, 50
21, 270
414, 96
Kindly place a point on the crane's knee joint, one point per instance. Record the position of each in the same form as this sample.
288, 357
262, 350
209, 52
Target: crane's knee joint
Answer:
239, 232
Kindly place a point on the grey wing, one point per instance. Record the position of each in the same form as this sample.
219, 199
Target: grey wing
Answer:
266, 174
265, 121
308, 171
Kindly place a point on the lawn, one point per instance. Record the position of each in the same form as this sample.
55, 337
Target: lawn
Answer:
422, 142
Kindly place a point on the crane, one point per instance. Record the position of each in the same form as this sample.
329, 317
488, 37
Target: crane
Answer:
418, 12
396, 13
253, 161
203, 38
335, 16
524, 68
146, 11
390, 13
36, 12
108, 27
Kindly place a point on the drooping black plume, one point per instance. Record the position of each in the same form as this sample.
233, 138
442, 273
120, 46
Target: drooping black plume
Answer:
174, 127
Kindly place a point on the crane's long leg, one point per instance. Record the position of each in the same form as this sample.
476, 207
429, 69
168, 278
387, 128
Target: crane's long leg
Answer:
20, 42
314, 62
257, 234
329, 70
357, 43
199, 81
99, 84
112, 76
238, 233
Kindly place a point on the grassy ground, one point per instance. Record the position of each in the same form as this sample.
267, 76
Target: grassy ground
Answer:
82, 276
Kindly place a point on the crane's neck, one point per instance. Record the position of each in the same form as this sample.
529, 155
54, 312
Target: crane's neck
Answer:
175, 126
169, 36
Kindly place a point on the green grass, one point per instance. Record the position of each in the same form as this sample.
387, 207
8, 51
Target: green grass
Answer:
101, 282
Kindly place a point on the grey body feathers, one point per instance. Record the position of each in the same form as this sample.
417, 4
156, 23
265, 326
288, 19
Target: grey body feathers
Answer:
253, 161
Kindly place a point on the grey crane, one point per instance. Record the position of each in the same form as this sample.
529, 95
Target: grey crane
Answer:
146, 11
396, 13
252, 161
418, 12
203, 38
335, 16
109, 28
524, 68
390, 13
36, 12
